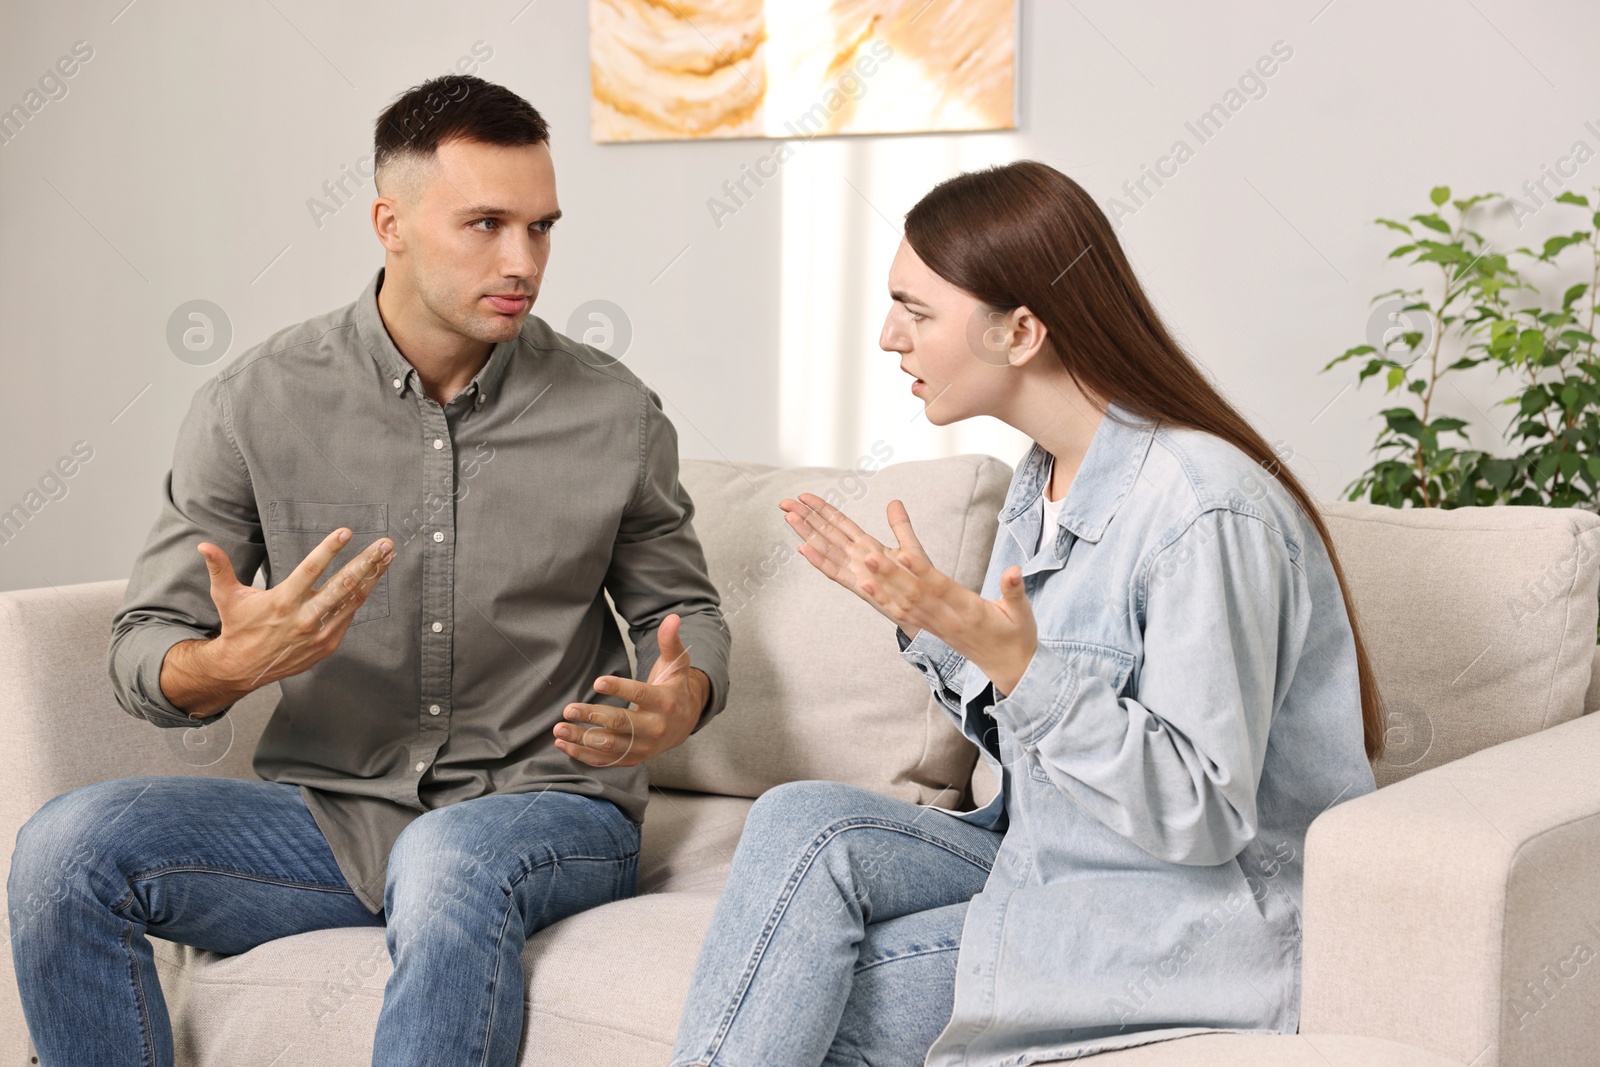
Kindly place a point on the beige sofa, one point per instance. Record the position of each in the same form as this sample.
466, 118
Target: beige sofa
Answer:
1447, 916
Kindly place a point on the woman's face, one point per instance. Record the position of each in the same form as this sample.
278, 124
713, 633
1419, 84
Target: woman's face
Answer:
956, 356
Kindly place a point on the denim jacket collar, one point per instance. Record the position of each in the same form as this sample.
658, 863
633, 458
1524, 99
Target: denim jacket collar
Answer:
1115, 456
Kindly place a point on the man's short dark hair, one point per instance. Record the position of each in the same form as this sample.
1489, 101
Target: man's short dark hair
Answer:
454, 106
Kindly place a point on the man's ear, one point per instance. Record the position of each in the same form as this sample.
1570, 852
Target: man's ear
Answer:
386, 223
1026, 338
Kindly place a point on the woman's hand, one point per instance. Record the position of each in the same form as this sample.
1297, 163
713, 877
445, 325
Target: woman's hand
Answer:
999, 636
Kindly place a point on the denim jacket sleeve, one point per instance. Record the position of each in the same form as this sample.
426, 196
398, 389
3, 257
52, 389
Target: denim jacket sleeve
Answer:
937, 662
1172, 761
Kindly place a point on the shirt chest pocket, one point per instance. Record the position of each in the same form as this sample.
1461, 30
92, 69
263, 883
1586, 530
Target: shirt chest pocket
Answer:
1091, 663
295, 527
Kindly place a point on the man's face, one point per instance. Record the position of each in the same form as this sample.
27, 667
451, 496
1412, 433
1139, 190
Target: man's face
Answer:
474, 222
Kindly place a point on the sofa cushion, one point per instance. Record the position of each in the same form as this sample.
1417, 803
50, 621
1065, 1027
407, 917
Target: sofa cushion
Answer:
604, 987
1480, 622
608, 986
818, 688
688, 840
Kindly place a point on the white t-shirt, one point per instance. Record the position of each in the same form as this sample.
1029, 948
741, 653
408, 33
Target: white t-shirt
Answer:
1052, 510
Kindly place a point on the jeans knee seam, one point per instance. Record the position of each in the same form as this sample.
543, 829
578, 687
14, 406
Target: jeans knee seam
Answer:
127, 899
838, 826
827, 834
147, 1028
907, 956
494, 979
773, 918
556, 861
505, 925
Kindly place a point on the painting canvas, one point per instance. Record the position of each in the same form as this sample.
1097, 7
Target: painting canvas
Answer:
690, 69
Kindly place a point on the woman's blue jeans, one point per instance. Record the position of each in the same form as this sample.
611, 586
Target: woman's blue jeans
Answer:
226, 864
836, 937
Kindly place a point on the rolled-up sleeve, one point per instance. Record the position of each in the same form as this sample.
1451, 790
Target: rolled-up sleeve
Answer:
658, 567
1172, 761
939, 664
206, 496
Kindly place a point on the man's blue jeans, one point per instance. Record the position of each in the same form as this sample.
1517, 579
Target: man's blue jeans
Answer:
836, 937
226, 864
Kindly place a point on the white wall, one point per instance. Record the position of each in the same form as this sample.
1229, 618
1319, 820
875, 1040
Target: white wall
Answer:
179, 164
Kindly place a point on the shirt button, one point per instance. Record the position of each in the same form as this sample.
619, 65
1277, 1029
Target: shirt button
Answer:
438, 626
433, 709
397, 383
421, 765
437, 443
438, 535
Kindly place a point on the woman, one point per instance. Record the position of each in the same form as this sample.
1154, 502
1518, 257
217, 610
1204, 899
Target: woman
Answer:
1162, 669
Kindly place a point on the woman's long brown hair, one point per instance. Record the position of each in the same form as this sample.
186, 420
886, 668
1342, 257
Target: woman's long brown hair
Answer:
1025, 234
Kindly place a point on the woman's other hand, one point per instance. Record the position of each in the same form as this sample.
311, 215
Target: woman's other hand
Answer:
1000, 636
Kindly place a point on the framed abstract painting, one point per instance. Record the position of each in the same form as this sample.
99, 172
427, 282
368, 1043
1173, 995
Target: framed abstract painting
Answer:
663, 70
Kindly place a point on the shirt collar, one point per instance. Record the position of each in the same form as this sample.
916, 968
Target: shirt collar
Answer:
1112, 463
397, 369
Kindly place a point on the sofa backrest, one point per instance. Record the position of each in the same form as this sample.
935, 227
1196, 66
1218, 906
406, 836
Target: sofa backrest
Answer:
1480, 622
818, 688
1481, 625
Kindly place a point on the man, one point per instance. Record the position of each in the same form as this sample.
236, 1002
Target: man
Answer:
458, 754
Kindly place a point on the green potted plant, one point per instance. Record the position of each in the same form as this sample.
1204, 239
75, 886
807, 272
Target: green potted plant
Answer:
1543, 344
1482, 308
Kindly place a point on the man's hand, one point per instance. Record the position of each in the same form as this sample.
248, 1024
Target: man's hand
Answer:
1000, 636
268, 634
662, 713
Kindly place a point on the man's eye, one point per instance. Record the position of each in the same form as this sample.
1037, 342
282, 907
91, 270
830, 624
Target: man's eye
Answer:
492, 222
546, 225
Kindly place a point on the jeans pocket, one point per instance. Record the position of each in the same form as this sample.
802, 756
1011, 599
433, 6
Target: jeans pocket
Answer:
295, 527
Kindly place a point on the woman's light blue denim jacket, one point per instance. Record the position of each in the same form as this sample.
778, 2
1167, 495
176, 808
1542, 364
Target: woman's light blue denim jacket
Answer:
1193, 704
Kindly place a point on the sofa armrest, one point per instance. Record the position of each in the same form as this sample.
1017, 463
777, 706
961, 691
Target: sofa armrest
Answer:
62, 723
1459, 910
64, 729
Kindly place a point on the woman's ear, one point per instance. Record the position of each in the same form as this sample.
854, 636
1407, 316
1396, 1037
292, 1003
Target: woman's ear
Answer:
1027, 336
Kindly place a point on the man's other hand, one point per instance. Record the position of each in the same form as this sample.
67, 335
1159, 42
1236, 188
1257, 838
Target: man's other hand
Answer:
661, 713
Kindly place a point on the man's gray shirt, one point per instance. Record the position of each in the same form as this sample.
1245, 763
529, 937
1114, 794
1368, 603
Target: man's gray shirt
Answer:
548, 481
